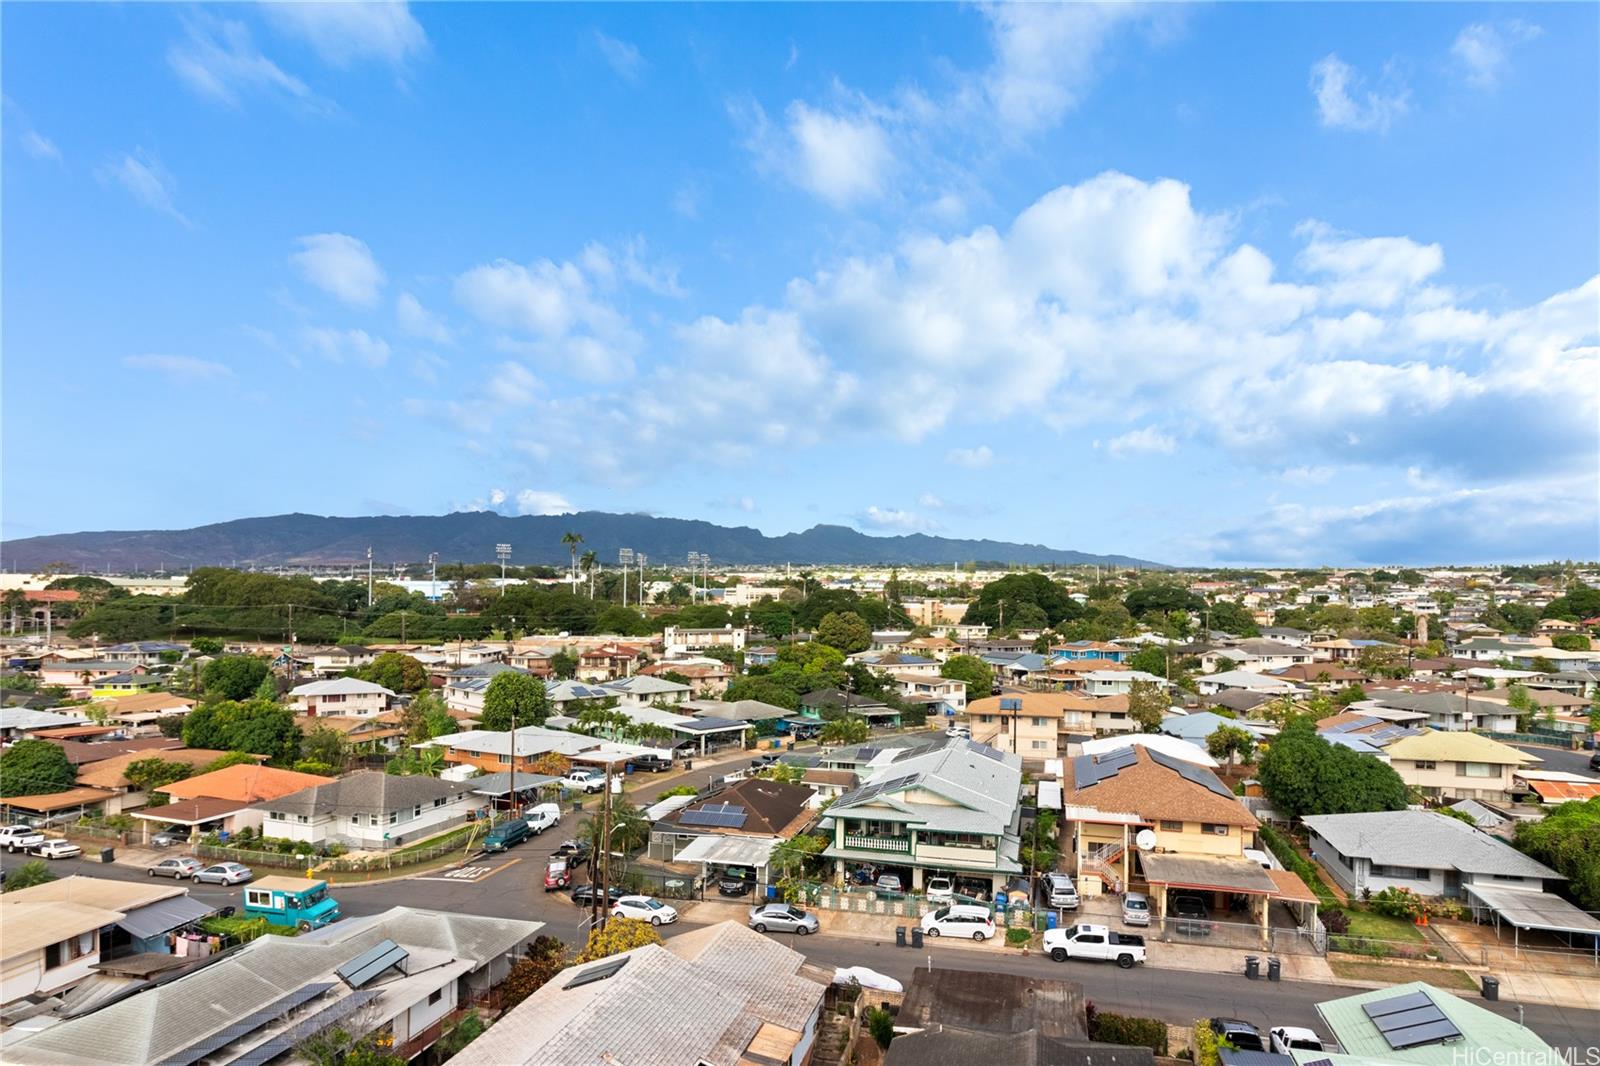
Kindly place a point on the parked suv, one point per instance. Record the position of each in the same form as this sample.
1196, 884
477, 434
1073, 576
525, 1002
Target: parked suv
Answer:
1240, 1034
1193, 919
1135, 909
736, 882
959, 920
654, 763
557, 874
1060, 892
508, 834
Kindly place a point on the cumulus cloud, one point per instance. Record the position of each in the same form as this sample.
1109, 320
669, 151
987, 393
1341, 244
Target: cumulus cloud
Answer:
1046, 56
1345, 102
341, 266
1482, 50
841, 155
418, 321
971, 458
346, 345
534, 501
888, 518
343, 34
1145, 441
624, 58
143, 176
179, 367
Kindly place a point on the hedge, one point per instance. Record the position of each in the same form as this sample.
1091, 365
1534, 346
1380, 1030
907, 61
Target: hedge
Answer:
1295, 863
1129, 1030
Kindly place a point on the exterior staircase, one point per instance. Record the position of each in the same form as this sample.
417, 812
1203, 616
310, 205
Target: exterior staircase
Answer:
1103, 862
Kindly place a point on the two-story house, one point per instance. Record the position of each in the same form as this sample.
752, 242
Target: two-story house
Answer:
1454, 766
1042, 725
369, 810
331, 661
1098, 650
464, 688
608, 662
681, 641
952, 811
642, 690
78, 676
340, 697
944, 695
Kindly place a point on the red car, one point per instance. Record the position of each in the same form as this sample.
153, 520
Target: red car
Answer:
557, 875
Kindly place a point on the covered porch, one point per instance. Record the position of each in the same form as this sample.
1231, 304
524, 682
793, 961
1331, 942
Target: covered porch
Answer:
1224, 886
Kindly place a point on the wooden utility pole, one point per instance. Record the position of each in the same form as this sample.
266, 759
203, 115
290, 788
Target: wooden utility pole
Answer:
602, 899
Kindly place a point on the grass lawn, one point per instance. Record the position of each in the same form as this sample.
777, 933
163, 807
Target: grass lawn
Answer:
1454, 980
1379, 927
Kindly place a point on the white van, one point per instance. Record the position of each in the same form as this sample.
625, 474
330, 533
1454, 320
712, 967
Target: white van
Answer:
542, 817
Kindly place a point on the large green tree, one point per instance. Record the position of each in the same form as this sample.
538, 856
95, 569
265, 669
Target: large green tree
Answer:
1026, 601
1304, 774
762, 688
1568, 841
234, 677
395, 671
35, 767
257, 726
514, 694
1148, 704
846, 631
978, 675
1579, 602
1230, 617
1161, 597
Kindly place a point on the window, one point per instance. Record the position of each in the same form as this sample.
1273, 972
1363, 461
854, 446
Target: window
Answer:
355, 821
258, 897
372, 820
1478, 769
1171, 827
439, 802
52, 956
435, 996
394, 817
302, 819
1215, 829
1425, 764
1040, 745
1038, 723
416, 812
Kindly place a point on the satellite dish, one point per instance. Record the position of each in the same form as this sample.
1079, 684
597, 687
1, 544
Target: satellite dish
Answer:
1145, 841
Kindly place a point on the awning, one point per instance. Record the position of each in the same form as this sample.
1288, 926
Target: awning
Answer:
730, 851
499, 784
1207, 874
1290, 888
163, 916
1527, 909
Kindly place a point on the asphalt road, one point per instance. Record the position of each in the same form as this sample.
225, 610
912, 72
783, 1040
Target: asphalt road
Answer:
1572, 762
510, 885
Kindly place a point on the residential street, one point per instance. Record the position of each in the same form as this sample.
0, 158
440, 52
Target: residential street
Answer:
509, 885
1572, 762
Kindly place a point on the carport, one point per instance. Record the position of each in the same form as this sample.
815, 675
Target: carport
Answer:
722, 852
1196, 873
707, 728
1523, 908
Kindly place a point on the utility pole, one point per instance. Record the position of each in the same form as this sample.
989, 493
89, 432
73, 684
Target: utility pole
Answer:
625, 561
513, 780
641, 580
502, 552
369, 575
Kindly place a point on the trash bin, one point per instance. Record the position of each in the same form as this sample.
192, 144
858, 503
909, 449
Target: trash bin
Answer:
1252, 966
1491, 988
108, 854
916, 936
899, 936
1050, 919
1274, 969
791, 745
688, 764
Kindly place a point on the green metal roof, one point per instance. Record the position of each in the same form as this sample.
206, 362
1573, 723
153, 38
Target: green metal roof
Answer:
1359, 1038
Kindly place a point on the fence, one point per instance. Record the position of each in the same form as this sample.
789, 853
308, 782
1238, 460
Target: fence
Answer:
1552, 737
458, 841
1246, 936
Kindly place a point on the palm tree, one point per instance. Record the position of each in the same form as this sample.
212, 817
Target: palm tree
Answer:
846, 730
589, 562
572, 540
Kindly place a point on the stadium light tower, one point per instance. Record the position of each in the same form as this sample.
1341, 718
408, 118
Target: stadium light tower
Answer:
625, 560
502, 552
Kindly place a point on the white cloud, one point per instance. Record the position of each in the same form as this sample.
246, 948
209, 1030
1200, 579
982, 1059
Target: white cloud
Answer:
39, 146
532, 501
180, 367
1366, 271
418, 321
341, 266
842, 157
147, 180
930, 501
218, 59
1482, 50
623, 57
1344, 101
887, 518
630, 263
971, 458
346, 33
1046, 56
1307, 475
686, 199
1145, 441
346, 345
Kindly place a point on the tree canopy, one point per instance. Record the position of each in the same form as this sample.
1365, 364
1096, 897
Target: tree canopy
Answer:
1148, 705
1579, 602
255, 726
1028, 600
234, 677
1304, 774
514, 694
846, 631
1568, 841
395, 671
35, 767
971, 669
1162, 597
1230, 617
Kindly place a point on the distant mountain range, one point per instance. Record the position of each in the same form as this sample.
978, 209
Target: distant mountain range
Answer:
303, 540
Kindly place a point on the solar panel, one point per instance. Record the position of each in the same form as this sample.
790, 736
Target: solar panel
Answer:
370, 963
265, 1052
248, 1024
608, 968
985, 750
1428, 1033
1199, 775
1411, 1020
1382, 1008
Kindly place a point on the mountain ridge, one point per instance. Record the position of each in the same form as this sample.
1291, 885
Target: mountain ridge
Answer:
470, 536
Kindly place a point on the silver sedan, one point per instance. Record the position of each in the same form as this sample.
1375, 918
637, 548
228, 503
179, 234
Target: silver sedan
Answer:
783, 918
223, 873
179, 867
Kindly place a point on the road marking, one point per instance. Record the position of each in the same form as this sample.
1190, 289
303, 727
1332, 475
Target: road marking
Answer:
470, 874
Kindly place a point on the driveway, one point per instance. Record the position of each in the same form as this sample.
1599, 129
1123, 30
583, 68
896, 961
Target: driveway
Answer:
1572, 762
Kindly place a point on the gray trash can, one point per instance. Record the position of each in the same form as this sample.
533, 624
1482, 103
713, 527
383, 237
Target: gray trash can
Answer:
899, 936
1252, 966
108, 854
916, 936
1274, 969
1491, 987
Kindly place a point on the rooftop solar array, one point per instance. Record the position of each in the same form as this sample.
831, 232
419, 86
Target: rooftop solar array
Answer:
302, 1031
370, 963
718, 815
1191, 772
246, 1025
1011, 704
876, 788
599, 972
1411, 1020
985, 750
1360, 722
1092, 769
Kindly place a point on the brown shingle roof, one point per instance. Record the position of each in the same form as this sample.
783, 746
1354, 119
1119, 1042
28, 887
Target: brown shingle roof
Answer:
80, 753
113, 772
1153, 791
774, 808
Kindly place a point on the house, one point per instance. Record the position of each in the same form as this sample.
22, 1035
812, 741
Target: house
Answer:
1286, 635
952, 810
48, 947
876, 712
1097, 650
944, 696
753, 711
886, 663
369, 810
1449, 711
17, 723
1324, 677
736, 998
706, 677
141, 712
1040, 725
328, 662
938, 649
1247, 680
400, 977
755, 809
1237, 700
1197, 727
953, 1016
1117, 682
1342, 650
377, 734
465, 687
608, 661
540, 662
641, 690
78, 676
765, 655
680, 642
112, 774
126, 683
147, 911
1429, 853
1168, 745
1267, 655
1017, 667
224, 800
144, 652
1418, 1024
562, 694
491, 751
1453, 766
341, 697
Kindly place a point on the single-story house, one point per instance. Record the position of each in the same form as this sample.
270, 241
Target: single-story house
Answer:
1429, 853
369, 810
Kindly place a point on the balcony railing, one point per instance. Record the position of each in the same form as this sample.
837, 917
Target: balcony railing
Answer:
862, 842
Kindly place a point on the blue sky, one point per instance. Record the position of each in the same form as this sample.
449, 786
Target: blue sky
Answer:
1233, 284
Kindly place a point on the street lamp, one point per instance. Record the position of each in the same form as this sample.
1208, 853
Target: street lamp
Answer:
502, 552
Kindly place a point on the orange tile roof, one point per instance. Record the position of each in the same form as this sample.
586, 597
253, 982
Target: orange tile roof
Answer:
247, 784
1562, 791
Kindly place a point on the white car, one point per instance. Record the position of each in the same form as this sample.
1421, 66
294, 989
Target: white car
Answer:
1289, 1038
20, 837
585, 781
959, 731
959, 920
645, 909
1135, 909
57, 849
940, 890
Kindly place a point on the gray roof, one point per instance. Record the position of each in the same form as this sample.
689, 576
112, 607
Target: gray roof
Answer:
1423, 839
489, 669
366, 790
163, 916
1432, 703
745, 710
983, 781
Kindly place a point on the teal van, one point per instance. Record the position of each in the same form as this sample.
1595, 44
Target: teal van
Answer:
295, 901
508, 834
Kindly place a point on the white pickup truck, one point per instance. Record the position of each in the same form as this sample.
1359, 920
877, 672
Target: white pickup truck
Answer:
586, 781
20, 838
1094, 942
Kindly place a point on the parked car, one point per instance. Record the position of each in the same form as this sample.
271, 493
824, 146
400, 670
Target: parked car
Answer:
584, 895
177, 868
508, 834
762, 761
888, 884
645, 909
1288, 1038
20, 837
1094, 942
959, 919
223, 873
959, 731
542, 817
57, 849
1240, 1034
557, 874
1060, 892
585, 781
654, 763
736, 882
1594, 760
1135, 909
1192, 917
940, 890
167, 840
574, 851
783, 918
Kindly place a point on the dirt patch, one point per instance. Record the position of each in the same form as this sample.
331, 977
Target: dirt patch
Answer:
1386, 973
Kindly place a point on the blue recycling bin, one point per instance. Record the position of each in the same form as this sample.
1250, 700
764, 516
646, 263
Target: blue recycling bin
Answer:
223, 835
1000, 902
1050, 919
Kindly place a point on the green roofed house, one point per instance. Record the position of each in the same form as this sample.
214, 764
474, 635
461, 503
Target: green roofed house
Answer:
1422, 1025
